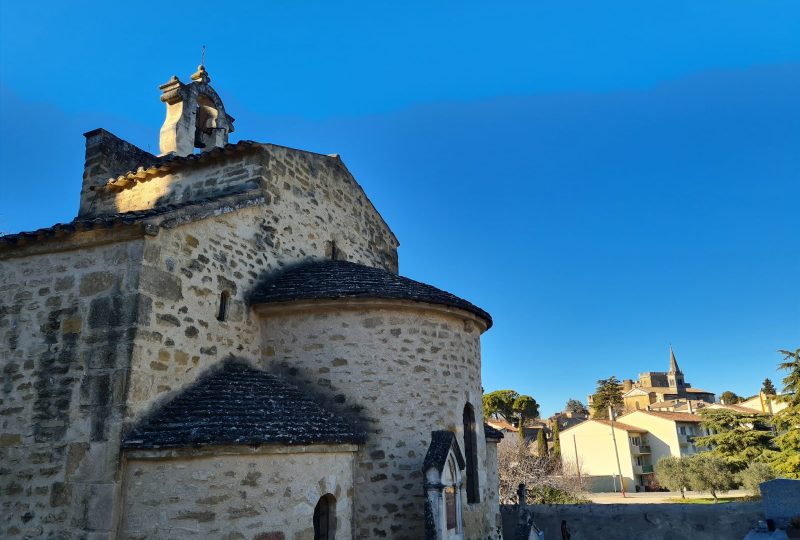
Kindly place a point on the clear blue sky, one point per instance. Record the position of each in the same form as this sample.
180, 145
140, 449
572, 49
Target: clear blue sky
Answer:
604, 178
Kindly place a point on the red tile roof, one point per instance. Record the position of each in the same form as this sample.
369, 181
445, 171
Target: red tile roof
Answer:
619, 425
674, 416
698, 391
502, 425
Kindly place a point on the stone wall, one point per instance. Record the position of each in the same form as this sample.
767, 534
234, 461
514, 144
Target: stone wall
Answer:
493, 488
267, 495
188, 265
406, 370
653, 521
96, 328
303, 189
67, 325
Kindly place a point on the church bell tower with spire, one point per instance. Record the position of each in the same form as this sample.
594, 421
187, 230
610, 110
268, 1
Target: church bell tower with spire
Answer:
674, 375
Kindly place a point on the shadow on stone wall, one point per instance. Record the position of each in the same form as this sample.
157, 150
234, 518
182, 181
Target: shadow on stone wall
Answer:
652, 521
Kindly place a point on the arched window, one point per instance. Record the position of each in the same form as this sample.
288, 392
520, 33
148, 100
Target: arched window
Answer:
223, 306
205, 122
325, 518
471, 451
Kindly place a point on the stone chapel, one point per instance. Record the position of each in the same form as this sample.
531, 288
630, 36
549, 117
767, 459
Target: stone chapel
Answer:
220, 345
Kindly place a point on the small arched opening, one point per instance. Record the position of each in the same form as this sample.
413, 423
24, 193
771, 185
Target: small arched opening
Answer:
325, 518
205, 122
222, 314
471, 454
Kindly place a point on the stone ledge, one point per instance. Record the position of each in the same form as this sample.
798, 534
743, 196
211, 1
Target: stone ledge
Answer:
234, 450
365, 304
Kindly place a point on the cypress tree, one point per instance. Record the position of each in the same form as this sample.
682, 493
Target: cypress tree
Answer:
541, 444
556, 440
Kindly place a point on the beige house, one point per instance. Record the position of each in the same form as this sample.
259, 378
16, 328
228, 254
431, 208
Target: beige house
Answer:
764, 403
593, 440
642, 438
670, 433
220, 345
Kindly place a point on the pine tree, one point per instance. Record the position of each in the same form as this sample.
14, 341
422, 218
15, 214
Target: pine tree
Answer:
730, 398
786, 461
738, 438
768, 388
511, 406
609, 392
575, 406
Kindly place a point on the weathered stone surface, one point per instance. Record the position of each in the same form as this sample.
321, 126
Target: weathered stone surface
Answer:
60, 371
160, 284
626, 521
102, 333
381, 383
238, 495
96, 282
781, 500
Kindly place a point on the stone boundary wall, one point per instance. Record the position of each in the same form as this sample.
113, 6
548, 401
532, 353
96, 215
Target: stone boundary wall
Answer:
652, 521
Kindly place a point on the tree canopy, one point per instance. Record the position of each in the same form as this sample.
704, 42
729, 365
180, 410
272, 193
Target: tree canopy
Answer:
708, 472
752, 477
730, 398
768, 388
791, 383
576, 406
511, 406
609, 392
673, 473
786, 459
735, 437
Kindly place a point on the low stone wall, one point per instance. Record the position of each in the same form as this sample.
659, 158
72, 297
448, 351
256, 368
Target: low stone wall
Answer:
652, 521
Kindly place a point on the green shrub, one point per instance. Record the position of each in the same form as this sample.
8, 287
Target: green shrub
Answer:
553, 495
753, 475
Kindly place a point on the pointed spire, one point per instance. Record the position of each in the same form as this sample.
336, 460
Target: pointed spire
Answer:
673, 364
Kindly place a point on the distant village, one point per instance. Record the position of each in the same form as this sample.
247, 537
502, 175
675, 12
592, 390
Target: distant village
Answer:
658, 416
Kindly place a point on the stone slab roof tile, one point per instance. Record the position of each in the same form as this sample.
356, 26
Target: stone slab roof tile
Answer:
236, 404
326, 280
441, 442
491, 433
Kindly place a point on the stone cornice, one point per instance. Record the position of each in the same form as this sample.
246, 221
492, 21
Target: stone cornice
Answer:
238, 450
365, 304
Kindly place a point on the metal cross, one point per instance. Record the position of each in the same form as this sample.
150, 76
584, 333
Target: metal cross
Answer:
203, 56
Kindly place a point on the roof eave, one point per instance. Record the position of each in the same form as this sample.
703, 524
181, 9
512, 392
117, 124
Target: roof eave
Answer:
346, 302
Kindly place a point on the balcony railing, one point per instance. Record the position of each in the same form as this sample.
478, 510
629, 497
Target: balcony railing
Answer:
642, 469
640, 448
684, 439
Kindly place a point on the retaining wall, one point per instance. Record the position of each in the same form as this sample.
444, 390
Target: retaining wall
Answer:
728, 521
